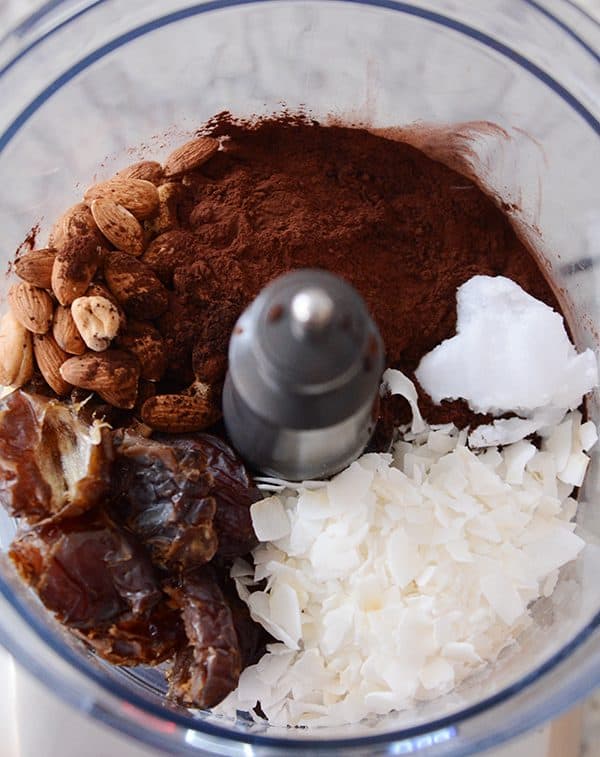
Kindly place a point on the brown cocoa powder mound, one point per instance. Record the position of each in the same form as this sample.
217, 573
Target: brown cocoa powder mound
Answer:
405, 230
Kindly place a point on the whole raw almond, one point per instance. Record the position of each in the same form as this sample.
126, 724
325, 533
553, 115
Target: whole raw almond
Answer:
113, 375
166, 219
49, 358
179, 413
65, 332
16, 352
135, 286
119, 226
33, 307
75, 222
138, 196
98, 289
148, 170
97, 320
35, 267
74, 267
148, 346
190, 155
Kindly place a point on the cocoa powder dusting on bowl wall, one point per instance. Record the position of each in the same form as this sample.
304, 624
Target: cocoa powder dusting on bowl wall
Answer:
286, 193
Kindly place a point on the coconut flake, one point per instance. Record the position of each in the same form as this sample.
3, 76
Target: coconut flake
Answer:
437, 674
504, 599
269, 519
510, 430
516, 457
588, 436
560, 443
405, 573
349, 488
397, 383
574, 471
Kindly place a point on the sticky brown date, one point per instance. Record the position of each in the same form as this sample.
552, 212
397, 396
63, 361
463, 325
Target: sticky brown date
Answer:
186, 498
142, 640
252, 637
87, 571
208, 669
52, 463
234, 493
162, 494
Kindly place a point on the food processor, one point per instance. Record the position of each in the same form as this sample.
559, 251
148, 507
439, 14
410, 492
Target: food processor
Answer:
504, 90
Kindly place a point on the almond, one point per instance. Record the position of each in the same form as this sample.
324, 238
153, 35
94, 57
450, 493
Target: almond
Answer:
135, 286
97, 289
65, 332
33, 307
167, 219
75, 222
113, 375
190, 155
49, 358
97, 320
74, 267
35, 267
179, 413
148, 346
140, 197
16, 352
149, 170
119, 226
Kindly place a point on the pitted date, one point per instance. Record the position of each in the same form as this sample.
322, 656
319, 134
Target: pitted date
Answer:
234, 493
186, 498
208, 668
53, 464
113, 516
252, 637
140, 641
163, 495
87, 572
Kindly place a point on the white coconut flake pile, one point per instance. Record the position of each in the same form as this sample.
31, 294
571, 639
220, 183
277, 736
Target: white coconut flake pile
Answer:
405, 573
511, 353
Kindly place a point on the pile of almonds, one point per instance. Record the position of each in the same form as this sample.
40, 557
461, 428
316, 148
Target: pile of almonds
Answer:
84, 308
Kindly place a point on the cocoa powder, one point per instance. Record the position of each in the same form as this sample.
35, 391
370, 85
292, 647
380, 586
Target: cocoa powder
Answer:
285, 193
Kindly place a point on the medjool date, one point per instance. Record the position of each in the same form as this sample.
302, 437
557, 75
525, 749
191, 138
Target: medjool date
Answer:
140, 641
234, 493
252, 637
163, 495
187, 498
208, 669
87, 571
52, 463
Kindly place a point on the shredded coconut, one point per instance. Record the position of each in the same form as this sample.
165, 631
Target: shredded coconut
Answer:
407, 572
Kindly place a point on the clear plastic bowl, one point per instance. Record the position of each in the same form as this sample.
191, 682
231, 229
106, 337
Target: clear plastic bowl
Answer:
85, 83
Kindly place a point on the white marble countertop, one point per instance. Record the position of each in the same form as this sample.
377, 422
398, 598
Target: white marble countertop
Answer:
54, 719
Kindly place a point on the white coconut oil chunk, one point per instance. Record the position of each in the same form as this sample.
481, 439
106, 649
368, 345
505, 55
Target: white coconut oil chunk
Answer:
511, 353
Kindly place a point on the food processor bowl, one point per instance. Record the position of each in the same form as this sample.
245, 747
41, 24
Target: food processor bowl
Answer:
511, 86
